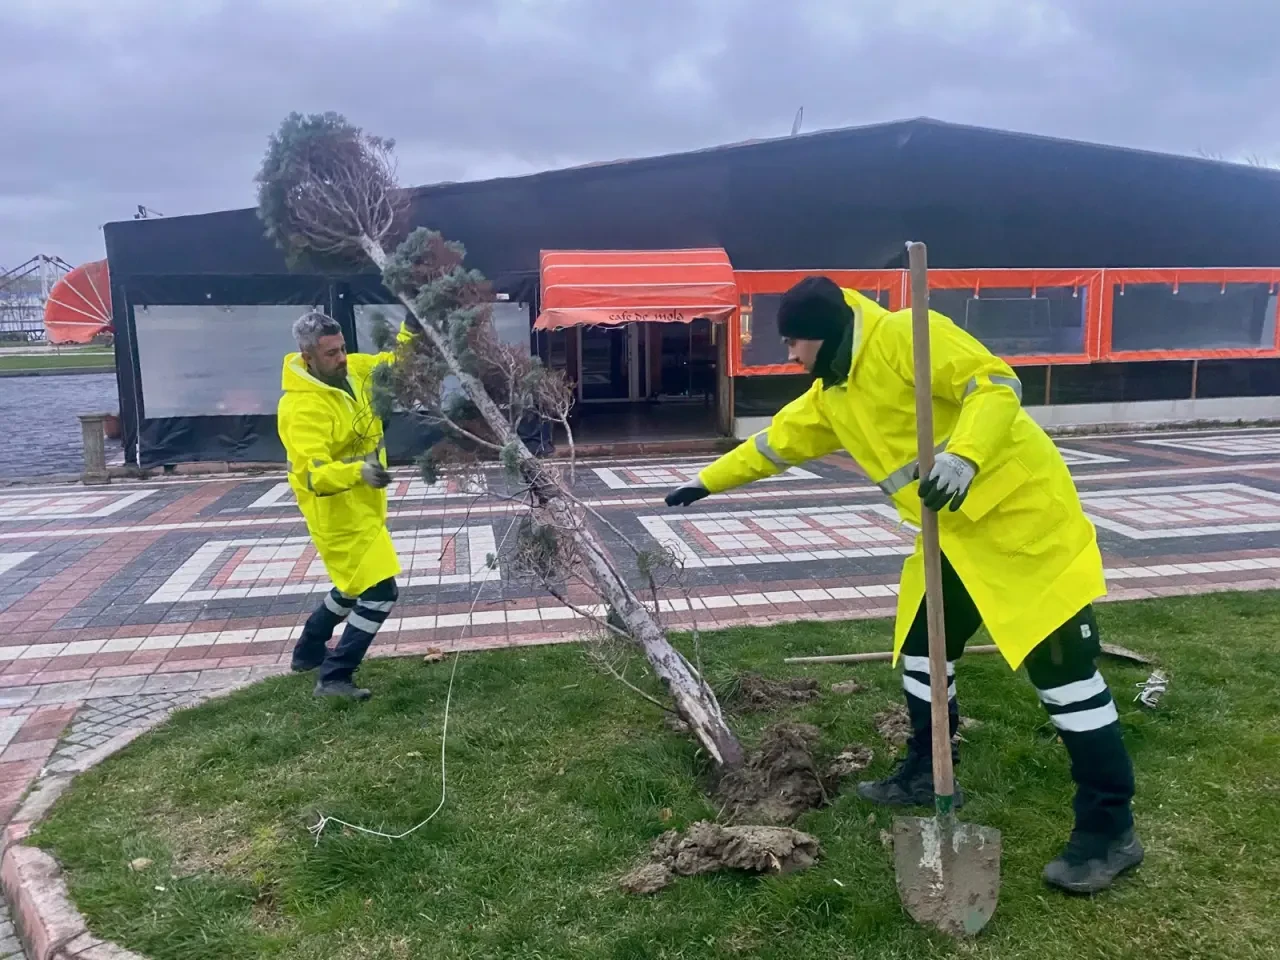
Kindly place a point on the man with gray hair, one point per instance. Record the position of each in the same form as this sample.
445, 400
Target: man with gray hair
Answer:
338, 472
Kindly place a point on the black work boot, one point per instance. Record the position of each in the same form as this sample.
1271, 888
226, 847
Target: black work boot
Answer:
341, 688
1091, 862
303, 665
910, 785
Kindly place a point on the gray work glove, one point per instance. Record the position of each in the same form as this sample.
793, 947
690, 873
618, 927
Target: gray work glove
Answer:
687, 494
948, 482
375, 475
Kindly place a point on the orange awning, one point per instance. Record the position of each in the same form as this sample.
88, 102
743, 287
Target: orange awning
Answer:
609, 287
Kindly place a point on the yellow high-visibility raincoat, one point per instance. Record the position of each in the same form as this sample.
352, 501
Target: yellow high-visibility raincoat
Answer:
328, 434
1020, 542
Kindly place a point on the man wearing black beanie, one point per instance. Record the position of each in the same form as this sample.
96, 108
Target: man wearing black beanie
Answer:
1019, 553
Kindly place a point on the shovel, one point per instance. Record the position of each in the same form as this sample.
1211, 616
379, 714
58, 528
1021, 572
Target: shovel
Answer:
948, 872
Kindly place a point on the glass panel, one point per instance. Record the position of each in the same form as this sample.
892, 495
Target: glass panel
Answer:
1200, 316
511, 323
1010, 322
213, 360
673, 356
766, 347
604, 363
365, 314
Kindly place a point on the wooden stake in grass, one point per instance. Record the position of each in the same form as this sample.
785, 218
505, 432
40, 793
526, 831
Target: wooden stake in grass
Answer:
328, 191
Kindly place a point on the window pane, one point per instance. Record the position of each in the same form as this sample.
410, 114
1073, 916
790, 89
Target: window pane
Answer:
213, 360
1010, 322
366, 315
766, 347
511, 323
1150, 316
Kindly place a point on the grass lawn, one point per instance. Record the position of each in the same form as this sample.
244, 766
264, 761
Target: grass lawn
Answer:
559, 780
88, 358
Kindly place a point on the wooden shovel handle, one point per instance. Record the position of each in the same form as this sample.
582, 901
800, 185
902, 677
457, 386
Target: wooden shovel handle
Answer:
943, 776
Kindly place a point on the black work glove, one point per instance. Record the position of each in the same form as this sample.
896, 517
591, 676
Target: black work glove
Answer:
687, 494
375, 475
948, 482
411, 323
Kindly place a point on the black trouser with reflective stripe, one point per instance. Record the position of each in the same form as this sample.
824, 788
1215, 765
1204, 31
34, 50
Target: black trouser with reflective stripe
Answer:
1063, 669
364, 615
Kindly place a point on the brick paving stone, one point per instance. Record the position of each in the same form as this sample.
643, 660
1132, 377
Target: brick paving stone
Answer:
100, 721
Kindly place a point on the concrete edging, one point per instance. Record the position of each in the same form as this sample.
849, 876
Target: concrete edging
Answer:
45, 919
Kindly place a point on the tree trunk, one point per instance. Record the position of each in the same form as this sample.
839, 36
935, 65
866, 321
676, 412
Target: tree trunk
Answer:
694, 700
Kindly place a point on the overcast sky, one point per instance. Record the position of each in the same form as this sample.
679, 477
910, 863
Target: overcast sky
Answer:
168, 103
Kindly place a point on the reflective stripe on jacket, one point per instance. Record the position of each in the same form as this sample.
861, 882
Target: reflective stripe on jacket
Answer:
328, 434
1020, 541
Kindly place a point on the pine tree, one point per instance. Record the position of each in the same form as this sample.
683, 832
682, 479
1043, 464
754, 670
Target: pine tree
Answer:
328, 193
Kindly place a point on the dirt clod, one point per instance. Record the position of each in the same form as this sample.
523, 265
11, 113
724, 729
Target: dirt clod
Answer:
709, 847
647, 879
779, 779
852, 759
894, 725
846, 688
752, 693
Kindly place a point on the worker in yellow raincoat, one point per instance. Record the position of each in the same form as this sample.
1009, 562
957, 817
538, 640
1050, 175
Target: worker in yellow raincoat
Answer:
338, 472
1020, 556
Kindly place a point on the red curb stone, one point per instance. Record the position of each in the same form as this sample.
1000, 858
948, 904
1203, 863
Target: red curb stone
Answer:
42, 909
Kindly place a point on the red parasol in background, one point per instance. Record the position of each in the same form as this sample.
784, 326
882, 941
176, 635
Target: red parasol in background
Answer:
79, 305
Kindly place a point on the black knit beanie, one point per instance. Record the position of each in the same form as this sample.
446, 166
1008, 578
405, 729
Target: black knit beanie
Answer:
815, 309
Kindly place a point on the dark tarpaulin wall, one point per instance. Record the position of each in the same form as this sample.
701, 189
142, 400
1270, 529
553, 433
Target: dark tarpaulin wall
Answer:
845, 199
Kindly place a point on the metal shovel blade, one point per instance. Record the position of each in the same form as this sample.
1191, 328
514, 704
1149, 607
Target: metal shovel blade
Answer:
948, 872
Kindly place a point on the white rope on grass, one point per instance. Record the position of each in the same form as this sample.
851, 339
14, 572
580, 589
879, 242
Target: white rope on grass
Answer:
317, 830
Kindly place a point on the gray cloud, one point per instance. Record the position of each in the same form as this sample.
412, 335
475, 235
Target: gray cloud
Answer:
148, 101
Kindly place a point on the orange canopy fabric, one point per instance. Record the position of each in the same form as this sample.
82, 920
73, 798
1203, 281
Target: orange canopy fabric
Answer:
79, 305
610, 287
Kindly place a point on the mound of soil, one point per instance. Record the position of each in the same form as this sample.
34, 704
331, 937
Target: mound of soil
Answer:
895, 726
752, 693
709, 847
852, 759
781, 779
778, 781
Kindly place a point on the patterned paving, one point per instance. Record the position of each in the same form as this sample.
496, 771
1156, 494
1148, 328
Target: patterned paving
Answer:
1198, 510
404, 488
134, 583
666, 476
743, 538
1237, 444
81, 506
271, 567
